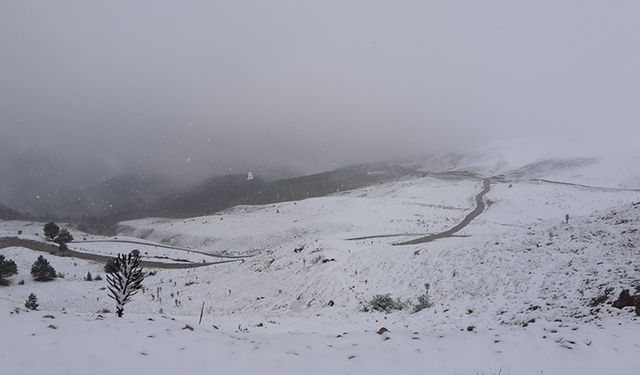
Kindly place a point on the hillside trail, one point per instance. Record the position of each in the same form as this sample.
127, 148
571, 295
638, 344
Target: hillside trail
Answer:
151, 244
53, 250
477, 211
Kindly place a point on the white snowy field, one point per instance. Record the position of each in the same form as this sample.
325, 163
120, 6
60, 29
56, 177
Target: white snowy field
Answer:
511, 292
92, 244
82, 343
416, 206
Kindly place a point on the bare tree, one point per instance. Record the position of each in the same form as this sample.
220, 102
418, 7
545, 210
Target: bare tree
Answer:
126, 281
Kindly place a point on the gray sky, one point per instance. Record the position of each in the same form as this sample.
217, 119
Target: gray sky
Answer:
189, 88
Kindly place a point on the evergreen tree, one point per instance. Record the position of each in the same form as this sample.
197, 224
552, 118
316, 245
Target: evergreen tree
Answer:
126, 281
42, 270
63, 239
51, 230
8, 268
32, 302
111, 266
89, 277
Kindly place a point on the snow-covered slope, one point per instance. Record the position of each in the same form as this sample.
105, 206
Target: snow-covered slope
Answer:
514, 286
594, 164
410, 206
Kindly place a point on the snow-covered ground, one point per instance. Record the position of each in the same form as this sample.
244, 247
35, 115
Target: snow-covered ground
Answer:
81, 344
511, 292
414, 206
92, 244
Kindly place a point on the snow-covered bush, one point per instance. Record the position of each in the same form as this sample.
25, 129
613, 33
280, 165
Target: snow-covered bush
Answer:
423, 301
32, 302
385, 303
126, 281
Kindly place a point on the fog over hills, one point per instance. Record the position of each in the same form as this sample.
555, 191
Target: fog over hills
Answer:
319, 187
93, 90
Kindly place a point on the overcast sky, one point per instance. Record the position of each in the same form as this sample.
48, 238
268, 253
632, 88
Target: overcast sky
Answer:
192, 88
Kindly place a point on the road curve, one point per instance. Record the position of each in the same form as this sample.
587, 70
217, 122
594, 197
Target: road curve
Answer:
384, 236
166, 247
480, 206
53, 250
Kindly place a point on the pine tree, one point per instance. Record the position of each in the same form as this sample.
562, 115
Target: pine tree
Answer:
42, 270
111, 266
51, 230
8, 268
89, 277
126, 281
32, 302
63, 239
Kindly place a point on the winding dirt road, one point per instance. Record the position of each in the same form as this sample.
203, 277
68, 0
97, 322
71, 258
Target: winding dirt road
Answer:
480, 206
215, 255
53, 250
477, 211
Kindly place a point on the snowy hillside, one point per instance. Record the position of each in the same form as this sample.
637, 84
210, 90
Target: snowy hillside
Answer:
545, 158
514, 284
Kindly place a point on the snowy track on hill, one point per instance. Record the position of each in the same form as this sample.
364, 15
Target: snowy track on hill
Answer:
151, 244
53, 250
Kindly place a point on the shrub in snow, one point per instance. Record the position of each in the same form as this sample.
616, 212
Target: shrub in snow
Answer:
385, 303
126, 281
98, 278
51, 230
42, 270
63, 239
111, 266
7, 269
625, 299
32, 302
423, 300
